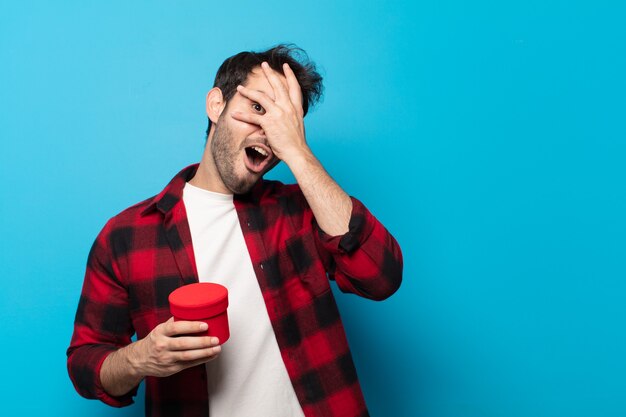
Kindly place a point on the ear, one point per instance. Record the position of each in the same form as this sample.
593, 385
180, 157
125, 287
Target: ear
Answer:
214, 104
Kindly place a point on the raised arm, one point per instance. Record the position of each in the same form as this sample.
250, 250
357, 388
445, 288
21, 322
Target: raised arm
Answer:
283, 125
364, 258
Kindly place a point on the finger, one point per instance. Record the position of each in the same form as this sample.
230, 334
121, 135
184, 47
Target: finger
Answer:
295, 91
173, 328
185, 365
196, 354
254, 119
280, 91
258, 96
193, 342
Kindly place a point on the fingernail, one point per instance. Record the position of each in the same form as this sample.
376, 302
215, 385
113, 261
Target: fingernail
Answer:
217, 349
215, 341
204, 326
265, 64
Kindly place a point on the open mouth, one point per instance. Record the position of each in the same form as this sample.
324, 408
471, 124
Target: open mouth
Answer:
257, 157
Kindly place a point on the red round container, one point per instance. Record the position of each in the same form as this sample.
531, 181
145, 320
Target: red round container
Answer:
203, 301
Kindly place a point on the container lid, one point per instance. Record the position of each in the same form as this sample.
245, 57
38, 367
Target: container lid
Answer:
198, 301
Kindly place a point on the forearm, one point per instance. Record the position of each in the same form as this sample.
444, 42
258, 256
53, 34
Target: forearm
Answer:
331, 206
118, 373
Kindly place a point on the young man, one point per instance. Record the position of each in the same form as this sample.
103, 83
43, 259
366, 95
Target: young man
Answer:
274, 246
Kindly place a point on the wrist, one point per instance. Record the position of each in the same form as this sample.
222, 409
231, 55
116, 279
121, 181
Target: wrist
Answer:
299, 158
132, 360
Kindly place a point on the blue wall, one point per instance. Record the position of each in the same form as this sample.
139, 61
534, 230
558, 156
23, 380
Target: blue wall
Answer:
489, 138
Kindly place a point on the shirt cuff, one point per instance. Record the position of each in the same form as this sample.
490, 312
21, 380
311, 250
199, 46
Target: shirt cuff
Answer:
359, 229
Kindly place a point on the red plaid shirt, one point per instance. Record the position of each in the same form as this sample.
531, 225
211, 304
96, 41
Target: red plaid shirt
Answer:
145, 252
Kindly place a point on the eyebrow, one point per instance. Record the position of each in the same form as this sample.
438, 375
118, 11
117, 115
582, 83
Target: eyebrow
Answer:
266, 93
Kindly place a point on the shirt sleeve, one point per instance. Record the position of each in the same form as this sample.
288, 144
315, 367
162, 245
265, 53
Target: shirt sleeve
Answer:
366, 260
102, 324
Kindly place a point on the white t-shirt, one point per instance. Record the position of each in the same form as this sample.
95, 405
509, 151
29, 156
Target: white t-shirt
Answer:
248, 378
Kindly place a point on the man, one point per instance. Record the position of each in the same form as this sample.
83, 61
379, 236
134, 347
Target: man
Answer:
273, 246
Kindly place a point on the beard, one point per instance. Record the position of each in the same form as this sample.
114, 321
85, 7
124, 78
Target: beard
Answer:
225, 154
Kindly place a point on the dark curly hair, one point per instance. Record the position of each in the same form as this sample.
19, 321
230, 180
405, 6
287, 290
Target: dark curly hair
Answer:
235, 70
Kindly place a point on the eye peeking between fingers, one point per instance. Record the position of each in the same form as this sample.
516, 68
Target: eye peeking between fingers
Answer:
258, 108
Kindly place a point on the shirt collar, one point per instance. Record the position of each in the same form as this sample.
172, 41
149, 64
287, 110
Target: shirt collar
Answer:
173, 191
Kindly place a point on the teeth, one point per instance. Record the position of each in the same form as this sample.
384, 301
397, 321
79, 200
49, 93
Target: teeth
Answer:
260, 150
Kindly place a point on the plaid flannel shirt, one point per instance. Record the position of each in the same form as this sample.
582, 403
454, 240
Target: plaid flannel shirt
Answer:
145, 252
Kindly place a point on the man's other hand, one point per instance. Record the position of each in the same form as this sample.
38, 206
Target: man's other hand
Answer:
171, 347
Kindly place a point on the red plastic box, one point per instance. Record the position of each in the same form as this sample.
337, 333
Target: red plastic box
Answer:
203, 301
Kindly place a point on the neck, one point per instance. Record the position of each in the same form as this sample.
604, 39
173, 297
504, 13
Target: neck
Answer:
207, 176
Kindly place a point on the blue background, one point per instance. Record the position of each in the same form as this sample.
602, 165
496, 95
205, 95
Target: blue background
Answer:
489, 137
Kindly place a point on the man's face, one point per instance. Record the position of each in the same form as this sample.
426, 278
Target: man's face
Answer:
240, 150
